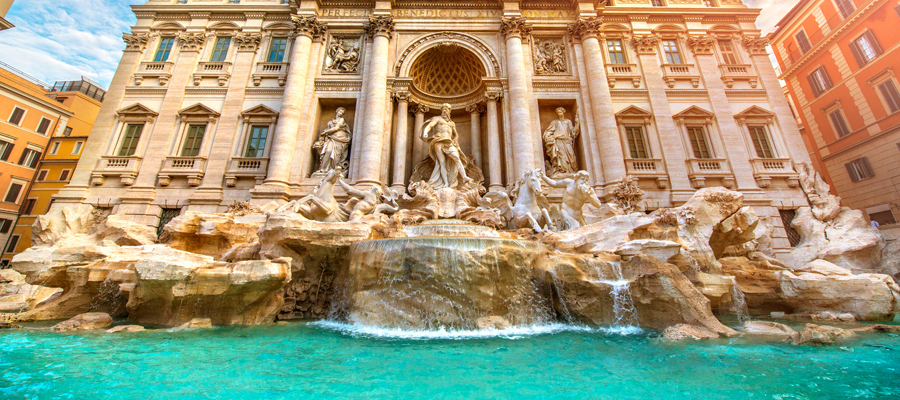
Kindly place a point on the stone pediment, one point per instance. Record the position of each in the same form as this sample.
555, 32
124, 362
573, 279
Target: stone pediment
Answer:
259, 113
694, 114
634, 114
756, 113
198, 110
137, 110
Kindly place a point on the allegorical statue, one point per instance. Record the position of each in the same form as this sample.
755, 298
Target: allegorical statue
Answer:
578, 192
443, 147
333, 143
341, 58
559, 143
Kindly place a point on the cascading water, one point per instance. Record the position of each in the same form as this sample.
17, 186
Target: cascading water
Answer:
623, 304
740, 304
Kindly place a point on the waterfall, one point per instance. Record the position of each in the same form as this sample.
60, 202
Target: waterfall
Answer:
623, 304
740, 304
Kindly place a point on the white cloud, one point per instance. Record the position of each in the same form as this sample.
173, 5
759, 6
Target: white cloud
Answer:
772, 12
57, 40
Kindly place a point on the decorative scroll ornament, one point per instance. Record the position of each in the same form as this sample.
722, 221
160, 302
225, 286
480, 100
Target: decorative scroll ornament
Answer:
247, 41
380, 26
514, 27
493, 95
342, 56
475, 109
702, 45
756, 45
645, 44
191, 41
586, 28
419, 108
308, 26
550, 57
135, 42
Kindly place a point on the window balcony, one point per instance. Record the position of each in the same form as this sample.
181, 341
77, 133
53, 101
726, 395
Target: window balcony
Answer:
680, 72
251, 168
699, 170
191, 168
765, 169
738, 72
270, 70
220, 71
149, 70
623, 72
648, 168
125, 168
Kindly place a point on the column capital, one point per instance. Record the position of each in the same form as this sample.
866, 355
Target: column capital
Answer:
514, 27
135, 41
191, 41
586, 27
475, 109
756, 45
647, 44
247, 41
419, 108
401, 95
380, 26
493, 95
308, 25
702, 44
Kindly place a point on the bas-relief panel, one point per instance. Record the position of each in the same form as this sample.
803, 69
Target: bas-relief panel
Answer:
550, 56
343, 54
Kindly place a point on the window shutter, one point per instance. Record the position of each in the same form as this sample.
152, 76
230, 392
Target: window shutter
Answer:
825, 77
864, 162
875, 46
813, 84
857, 54
35, 160
852, 172
6, 152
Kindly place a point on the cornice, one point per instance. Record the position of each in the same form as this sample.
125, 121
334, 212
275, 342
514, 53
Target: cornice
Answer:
43, 101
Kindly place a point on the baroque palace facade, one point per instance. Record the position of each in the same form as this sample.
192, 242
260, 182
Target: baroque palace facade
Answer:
221, 101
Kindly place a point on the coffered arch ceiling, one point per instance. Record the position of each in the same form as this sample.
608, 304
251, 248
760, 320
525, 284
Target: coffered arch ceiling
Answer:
447, 70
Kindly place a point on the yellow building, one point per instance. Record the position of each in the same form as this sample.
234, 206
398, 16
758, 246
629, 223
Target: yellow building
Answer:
42, 133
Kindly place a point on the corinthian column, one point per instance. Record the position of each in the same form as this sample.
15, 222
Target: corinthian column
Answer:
401, 142
286, 130
370, 160
475, 111
493, 136
418, 152
587, 31
514, 29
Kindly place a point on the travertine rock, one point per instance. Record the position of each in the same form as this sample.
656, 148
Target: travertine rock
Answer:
213, 234
718, 289
86, 321
603, 236
583, 289
768, 329
880, 328
492, 322
197, 323
126, 329
819, 335
77, 225
685, 331
846, 240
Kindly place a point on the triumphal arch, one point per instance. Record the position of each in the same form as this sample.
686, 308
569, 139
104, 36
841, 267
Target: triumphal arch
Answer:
220, 101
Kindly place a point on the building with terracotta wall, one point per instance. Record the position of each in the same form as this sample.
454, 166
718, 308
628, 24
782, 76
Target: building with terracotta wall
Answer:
63, 151
840, 60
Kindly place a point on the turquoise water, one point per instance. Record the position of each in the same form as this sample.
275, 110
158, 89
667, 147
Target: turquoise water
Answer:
304, 360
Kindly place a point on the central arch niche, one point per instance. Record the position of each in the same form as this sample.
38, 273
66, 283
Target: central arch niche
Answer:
447, 70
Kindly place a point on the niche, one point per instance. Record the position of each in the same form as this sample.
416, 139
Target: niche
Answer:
338, 142
547, 114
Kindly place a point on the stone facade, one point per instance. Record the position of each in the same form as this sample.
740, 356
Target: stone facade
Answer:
215, 103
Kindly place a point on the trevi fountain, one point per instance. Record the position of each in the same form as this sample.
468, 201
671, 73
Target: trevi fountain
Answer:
455, 283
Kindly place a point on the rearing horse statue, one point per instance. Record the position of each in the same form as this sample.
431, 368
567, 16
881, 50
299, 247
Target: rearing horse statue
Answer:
321, 205
527, 208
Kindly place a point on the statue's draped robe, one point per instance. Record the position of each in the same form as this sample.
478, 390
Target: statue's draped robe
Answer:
334, 147
559, 140
443, 142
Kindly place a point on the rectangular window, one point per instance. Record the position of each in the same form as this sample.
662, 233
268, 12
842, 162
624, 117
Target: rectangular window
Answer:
77, 148
819, 81
859, 169
13, 243
656, 3
845, 7
803, 42
636, 143
673, 56
616, 52
726, 47
29, 206
131, 139
840, 124
54, 148
64, 175
67, 131
42, 176
43, 126
16, 117
193, 140
276, 49
164, 49
256, 144
12, 194
5, 150
891, 96
30, 158
709, 3
699, 144
5, 224
220, 52
865, 48
883, 218
761, 143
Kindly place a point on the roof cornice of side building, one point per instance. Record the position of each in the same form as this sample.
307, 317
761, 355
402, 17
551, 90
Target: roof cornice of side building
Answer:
781, 25
45, 101
4, 24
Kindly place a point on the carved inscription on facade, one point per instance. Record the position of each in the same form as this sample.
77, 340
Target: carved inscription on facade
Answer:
444, 13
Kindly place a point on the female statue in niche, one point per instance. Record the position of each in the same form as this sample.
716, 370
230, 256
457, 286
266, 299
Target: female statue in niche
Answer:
559, 143
333, 143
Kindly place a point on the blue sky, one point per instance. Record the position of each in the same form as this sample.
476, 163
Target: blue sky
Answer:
59, 40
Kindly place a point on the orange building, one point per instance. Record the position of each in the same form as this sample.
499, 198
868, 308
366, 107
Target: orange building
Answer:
42, 133
4, 7
840, 60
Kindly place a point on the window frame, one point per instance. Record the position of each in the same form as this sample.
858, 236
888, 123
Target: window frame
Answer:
65, 175
6, 148
840, 10
271, 49
677, 52
766, 136
859, 52
40, 123
220, 54
819, 81
704, 131
858, 167
800, 43
261, 152
830, 111
622, 51
21, 116
54, 148
13, 243
120, 145
633, 145
28, 205
18, 195
5, 225
167, 52
733, 52
25, 159
77, 148
196, 146
42, 175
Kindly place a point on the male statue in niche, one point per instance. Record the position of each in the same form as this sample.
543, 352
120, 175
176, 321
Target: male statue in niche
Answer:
333, 143
559, 143
443, 147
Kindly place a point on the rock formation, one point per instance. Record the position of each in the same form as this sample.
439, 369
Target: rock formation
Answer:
86, 321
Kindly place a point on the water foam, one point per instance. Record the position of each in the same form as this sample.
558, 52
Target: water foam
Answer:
515, 332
